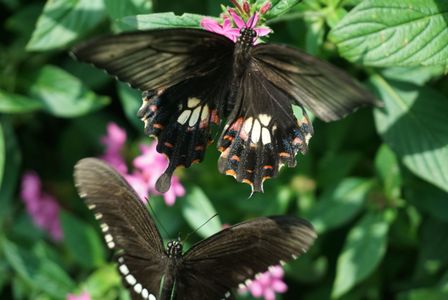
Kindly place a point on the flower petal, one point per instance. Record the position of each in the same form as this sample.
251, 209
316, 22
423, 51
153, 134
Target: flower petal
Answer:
252, 22
262, 31
211, 24
239, 22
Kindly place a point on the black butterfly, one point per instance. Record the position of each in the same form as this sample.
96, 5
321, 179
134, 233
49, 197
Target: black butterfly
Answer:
192, 79
209, 269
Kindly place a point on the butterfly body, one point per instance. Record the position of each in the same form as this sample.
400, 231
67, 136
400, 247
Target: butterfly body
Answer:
193, 80
209, 270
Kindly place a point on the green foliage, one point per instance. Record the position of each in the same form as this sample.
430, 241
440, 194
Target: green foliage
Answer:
395, 33
375, 185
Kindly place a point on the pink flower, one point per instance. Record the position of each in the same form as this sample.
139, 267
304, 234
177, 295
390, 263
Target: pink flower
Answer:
114, 142
225, 29
43, 208
233, 33
149, 166
83, 296
267, 284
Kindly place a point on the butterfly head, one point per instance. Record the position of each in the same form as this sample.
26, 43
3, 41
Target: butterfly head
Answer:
174, 248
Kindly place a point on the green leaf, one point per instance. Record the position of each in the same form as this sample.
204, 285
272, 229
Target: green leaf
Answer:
423, 294
102, 281
119, 8
279, 7
2, 153
131, 100
395, 33
62, 22
387, 168
363, 251
64, 95
197, 209
11, 164
82, 241
339, 204
160, 20
333, 167
40, 274
429, 199
14, 103
413, 123
416, 75
433, 244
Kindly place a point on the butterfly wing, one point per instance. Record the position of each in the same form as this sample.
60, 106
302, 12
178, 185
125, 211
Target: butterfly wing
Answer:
262, 134
185, 75
126, 225
327, 91
220, 263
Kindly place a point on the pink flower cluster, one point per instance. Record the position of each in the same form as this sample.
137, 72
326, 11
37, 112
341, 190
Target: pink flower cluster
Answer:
42, 207
227, 29
83, 296
267, 284
147, 167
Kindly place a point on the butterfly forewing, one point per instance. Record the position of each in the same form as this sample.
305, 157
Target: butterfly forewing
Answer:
126, 225
237, 253
327, 91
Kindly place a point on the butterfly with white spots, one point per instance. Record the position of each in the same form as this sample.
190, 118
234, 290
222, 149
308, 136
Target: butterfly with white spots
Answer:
210, 269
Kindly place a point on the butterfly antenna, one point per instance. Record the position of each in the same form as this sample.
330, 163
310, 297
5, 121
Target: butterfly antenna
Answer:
153, 212
196, 230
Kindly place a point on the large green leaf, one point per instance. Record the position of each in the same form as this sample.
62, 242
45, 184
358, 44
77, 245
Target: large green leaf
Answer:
160, 20
280, 7
64, 95
82, 241
429, 199
363, 251
119, 8
413, 123
101, 282
2, 153
14, 103
339, 204
395, 33
197, 209
63, 21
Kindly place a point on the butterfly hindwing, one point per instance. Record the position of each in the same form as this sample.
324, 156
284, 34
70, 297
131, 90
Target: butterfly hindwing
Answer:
126, 225
262, 134
239, 252
327, 91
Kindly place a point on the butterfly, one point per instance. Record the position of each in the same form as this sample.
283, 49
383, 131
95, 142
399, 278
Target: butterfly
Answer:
193, 80
209, 269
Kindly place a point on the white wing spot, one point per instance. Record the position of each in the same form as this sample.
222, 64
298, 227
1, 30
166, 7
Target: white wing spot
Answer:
104, 227
265, 136
183, 118
151, 297
98, 216
111, 245
145, 293
138, 288
108, 238
247, 126
91, 206
256, 132
264, 119
205, 113
124, 270
131, 280
194, 116
193, 102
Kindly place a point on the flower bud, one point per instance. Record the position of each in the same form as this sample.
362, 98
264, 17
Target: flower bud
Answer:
265, 7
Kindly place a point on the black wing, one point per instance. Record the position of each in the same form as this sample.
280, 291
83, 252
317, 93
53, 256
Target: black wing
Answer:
327, 91
126, 225
262, 134
220, 263
185, 75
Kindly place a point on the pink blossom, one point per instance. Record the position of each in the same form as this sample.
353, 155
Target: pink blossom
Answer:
267, 284
150, 165
114, 142
233, 33
83, 296
225, 29
42, 207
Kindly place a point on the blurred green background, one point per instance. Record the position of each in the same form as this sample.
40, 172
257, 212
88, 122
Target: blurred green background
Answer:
375, 184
